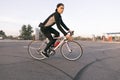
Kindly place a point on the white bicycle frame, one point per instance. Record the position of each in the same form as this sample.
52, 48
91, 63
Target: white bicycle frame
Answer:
61, 42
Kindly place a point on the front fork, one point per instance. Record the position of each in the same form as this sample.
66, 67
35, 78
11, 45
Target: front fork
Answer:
68, 47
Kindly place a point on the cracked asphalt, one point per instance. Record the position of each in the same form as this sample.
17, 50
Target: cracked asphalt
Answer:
100, 61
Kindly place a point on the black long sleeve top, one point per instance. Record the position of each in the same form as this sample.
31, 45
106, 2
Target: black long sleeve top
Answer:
56, 18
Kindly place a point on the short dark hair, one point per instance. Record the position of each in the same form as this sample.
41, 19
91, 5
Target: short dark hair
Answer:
60, 4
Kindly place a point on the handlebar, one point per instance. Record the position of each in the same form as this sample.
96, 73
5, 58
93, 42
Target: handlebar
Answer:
71, 33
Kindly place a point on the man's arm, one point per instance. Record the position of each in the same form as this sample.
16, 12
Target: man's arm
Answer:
62, 23
58, 22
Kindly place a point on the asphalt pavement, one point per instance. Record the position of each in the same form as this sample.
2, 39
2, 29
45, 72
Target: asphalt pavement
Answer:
100, 61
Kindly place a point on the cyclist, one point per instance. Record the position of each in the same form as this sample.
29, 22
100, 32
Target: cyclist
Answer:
46, 27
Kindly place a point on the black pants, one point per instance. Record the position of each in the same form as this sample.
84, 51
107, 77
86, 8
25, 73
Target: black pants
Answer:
47, 32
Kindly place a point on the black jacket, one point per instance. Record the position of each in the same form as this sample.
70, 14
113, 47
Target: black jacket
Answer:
55, 18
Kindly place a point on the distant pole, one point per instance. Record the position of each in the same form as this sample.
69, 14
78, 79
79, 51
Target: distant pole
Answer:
103, 38
93, 38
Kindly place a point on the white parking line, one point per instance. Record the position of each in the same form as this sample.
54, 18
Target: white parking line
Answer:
25, 46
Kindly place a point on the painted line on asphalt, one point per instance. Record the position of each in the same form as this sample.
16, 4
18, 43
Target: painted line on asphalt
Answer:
25, 46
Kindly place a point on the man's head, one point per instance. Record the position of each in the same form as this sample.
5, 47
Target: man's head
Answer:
60, 8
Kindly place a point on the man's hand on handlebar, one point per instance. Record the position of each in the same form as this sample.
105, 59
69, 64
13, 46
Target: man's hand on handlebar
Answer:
71, 32
69, 35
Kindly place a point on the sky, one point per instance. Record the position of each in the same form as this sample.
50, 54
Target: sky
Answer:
85, 17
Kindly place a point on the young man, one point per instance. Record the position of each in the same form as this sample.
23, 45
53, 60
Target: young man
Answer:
46, 27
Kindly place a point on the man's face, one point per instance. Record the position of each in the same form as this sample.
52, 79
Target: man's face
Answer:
60, 9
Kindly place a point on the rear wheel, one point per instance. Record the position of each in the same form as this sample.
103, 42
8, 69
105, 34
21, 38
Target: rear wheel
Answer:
71, 50
35, 48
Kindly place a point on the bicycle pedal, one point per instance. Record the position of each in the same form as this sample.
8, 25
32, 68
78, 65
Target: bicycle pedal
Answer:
52, 53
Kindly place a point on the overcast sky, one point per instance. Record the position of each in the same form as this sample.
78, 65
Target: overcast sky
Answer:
85, 17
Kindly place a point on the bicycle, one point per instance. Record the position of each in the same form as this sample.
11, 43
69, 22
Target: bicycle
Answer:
71, 50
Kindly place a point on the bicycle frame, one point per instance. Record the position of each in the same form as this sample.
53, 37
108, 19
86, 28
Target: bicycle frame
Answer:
61, 42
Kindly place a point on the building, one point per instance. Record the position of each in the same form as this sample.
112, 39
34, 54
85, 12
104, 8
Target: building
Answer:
37, 31
113, 36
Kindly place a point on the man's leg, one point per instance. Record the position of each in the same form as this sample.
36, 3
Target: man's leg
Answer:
52, 30
55, 32
51, 41
47, 33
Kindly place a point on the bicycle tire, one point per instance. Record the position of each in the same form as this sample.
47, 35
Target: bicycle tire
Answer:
35, 48
75, 52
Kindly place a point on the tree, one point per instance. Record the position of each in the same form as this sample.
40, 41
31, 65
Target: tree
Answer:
2, 34
10, 37
26, 32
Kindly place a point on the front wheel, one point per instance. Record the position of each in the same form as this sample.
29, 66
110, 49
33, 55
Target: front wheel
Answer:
71, 50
